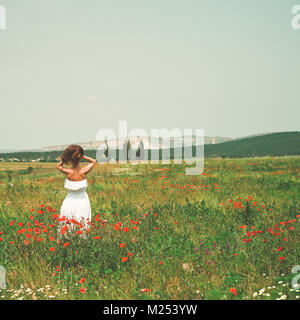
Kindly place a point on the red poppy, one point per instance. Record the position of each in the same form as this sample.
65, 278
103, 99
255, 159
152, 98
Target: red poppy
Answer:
233, 290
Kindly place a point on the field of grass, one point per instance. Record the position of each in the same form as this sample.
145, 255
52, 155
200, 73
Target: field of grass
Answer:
156, 233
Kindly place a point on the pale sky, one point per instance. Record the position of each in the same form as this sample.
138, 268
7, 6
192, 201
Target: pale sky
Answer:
70, 68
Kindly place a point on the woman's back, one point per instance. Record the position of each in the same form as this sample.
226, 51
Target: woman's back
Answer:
76, 174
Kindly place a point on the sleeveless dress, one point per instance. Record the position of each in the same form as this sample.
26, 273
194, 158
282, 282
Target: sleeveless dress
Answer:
77, 203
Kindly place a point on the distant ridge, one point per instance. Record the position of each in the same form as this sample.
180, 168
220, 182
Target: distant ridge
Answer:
93, 145
273, 144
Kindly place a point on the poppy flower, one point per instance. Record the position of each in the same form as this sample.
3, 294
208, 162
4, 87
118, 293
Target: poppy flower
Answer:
124, 259
122, 245
125, 229
233, 290
66, 244
52, 249
145, 290
82, 290
82, 280
96, 237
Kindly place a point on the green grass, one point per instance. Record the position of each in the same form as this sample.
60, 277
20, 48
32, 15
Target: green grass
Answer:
188, 235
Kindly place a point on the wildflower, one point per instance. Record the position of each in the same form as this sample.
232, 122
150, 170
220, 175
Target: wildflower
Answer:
233, 290
145, 290
125, 229
52, 249
96, 237
124, 259
66, 244
122, 245
82, 290
82, 280
261, 291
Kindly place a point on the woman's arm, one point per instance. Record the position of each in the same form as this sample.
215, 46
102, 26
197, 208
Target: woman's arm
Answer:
90, 166
62, 169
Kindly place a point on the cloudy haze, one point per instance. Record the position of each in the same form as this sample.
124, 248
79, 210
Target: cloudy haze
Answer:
69, 68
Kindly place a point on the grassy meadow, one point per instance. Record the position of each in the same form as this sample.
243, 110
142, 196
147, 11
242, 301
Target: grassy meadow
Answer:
230, 233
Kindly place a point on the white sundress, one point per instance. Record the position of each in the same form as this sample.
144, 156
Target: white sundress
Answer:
77, 203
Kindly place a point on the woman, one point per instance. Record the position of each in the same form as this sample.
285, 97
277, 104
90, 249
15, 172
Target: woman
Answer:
76, 204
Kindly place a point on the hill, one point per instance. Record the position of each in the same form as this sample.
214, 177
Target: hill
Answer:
274, 144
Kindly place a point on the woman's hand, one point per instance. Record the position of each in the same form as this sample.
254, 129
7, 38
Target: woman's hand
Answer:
89, 159
62, 169
60, 165
90, 166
